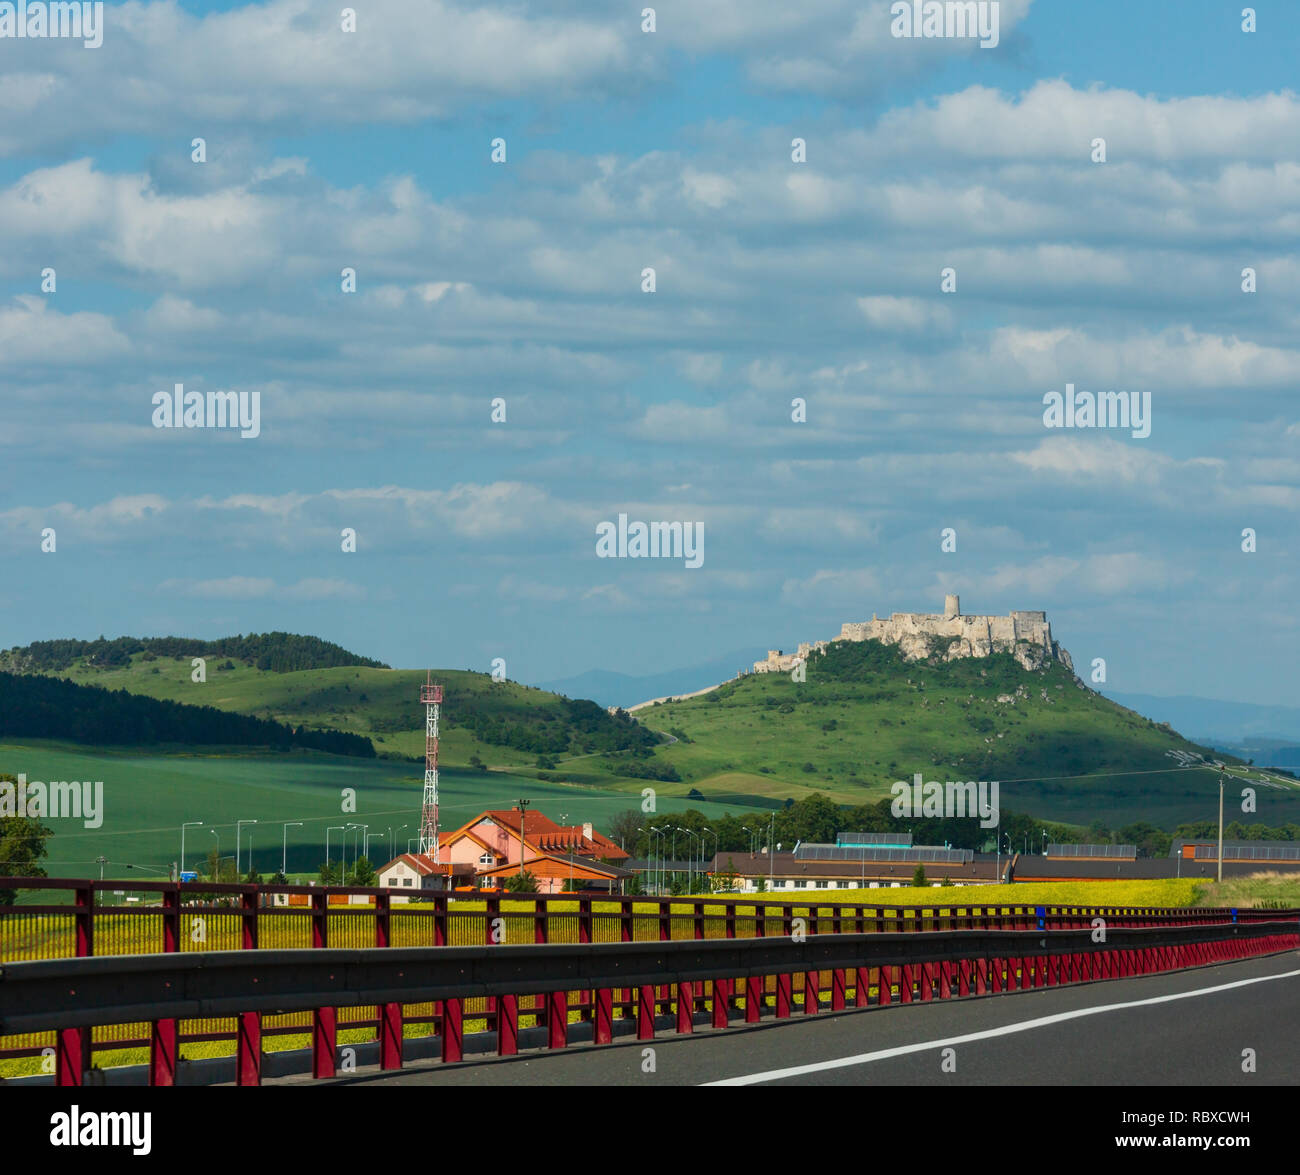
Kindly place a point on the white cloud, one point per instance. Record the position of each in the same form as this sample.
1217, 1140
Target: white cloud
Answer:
243, 587
231, 587
32, 332
904, 314
1054, 120
288, 63
842, 588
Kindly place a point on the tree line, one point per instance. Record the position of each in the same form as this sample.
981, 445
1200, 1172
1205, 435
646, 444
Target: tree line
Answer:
819, 820
573, 724
49, 707
277, 652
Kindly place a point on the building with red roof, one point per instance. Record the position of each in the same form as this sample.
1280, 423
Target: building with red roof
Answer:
491, 847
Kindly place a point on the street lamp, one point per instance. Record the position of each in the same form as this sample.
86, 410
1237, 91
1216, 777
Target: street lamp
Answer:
655, 873
216, 869
189, 824
348, 829
284, 847
152, 868
690, 875
331, 828
239, 827
707, 832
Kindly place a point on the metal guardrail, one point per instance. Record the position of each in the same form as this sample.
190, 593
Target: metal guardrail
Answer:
72, 996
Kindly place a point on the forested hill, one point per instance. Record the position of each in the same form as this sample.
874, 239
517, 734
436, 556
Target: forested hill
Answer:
33, 706
278, 652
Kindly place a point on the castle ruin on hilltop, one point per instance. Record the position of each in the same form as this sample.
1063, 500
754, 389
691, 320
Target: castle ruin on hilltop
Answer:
1027, 636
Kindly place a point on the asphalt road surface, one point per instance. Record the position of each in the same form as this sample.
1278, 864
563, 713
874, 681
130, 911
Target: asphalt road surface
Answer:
1187, 1028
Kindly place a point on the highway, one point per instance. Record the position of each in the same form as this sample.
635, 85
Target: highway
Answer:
1186, 1028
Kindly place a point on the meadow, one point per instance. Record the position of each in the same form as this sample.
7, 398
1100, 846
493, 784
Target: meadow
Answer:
149, 793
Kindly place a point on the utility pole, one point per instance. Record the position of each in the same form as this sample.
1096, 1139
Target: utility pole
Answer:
239, 825
1220, 822
523, 811
656, 858
771, 832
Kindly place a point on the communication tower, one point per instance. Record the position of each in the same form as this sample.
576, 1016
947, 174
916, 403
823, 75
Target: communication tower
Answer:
431, 696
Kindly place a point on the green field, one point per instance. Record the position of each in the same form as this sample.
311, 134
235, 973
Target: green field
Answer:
148, 794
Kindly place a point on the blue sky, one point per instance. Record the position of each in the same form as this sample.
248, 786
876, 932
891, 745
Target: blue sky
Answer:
776, 280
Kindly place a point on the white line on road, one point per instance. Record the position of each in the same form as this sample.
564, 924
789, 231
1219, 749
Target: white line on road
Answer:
1006, 1030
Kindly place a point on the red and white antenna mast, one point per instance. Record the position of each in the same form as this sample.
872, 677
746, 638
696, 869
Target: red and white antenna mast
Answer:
431, 696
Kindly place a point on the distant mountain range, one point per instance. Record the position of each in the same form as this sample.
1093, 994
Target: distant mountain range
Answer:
626, 689
1209, 720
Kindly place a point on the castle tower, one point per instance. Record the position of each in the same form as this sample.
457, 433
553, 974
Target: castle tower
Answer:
951, 607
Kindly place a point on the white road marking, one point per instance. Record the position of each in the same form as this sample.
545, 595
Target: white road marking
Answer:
1006, 1030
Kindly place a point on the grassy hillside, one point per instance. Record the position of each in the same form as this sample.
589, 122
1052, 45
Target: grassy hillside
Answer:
503, 724
865, 718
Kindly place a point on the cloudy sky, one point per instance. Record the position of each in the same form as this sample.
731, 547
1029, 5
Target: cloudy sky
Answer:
774, 281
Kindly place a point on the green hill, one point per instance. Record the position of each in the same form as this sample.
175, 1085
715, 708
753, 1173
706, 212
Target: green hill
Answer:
499, 724
865, 718
279, 652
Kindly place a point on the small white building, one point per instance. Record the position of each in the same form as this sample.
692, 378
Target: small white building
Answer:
413, 871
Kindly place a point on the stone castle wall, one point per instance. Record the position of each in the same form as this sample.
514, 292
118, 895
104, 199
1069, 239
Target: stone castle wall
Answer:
1026, 635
